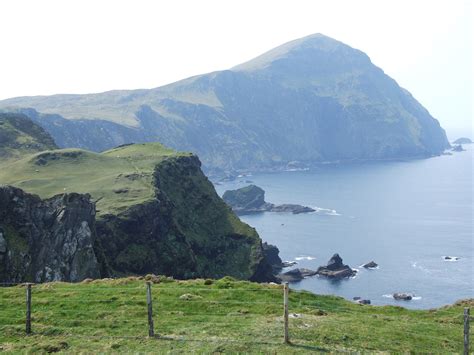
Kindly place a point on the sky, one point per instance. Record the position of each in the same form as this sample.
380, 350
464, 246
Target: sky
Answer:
87, 46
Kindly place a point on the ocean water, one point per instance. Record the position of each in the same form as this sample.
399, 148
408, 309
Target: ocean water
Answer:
404, 215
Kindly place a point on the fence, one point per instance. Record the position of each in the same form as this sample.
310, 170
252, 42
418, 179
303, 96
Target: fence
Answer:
208, 312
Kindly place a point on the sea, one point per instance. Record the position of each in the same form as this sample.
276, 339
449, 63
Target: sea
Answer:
405, 215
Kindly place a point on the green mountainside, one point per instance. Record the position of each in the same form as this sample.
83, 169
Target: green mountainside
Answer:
143, 207
313, 99
18, 135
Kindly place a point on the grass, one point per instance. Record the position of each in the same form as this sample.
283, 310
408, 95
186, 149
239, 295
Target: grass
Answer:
214, 316
116, 179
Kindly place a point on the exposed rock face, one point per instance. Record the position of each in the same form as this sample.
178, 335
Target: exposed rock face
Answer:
335, 269
187, 231
271, 255
251, 199
46, 240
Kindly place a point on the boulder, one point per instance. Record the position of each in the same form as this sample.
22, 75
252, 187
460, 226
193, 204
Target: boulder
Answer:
362, 301
335, 269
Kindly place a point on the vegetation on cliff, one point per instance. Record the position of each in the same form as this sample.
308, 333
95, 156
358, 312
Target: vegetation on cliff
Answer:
156, 211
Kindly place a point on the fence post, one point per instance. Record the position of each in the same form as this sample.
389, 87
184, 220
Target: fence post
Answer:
151, 330
466, 331
28, 309
285, 311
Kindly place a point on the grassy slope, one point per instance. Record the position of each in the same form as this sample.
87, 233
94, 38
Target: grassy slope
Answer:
19, 136
227, 315
73, 170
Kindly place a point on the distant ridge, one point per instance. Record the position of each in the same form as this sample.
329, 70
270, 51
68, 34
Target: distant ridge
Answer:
309, 100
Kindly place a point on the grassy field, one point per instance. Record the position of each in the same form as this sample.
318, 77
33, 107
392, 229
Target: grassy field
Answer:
214, 316
116, 179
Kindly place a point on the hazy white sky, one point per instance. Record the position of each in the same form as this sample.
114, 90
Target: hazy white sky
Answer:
84, 46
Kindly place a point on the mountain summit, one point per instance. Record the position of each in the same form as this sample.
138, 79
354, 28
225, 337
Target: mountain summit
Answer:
312, 99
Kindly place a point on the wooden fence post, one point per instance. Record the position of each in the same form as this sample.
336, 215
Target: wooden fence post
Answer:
466, 331
151, 330
285, 312
28, 309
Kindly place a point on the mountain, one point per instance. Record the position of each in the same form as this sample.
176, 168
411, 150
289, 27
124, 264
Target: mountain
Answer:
313, 99
69, 214
18, 135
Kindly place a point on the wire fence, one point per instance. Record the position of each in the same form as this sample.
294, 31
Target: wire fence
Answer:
272, 314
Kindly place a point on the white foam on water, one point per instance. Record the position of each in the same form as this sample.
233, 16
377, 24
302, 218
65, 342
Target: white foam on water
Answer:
305, 258
388, 296
324, 211
452, 258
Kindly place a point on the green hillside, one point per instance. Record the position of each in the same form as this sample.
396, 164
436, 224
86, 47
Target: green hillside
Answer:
116, 179
214, 317
18, 136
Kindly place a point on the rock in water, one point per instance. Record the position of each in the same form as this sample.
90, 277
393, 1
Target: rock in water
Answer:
251, 199
463, 140
458, 148
335, 269
370, 265
296, 275
402, 296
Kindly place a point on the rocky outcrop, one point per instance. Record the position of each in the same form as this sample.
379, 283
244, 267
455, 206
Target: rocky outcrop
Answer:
335, 269
458, 148
272, 256
186, 231
370, 265
402, 296
251, 199
463, 140
296, 275
46, 240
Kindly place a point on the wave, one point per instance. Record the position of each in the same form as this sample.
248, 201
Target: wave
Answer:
324, 211
297, 169
305, 258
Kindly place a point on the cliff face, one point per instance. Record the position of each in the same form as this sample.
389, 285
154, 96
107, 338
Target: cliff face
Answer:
46, 240
186, 231
176, 225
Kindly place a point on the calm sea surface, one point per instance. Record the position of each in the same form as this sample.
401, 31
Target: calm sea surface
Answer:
405, 215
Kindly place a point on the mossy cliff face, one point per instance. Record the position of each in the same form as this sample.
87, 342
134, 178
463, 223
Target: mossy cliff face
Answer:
46, 240
186, 231
180, 228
